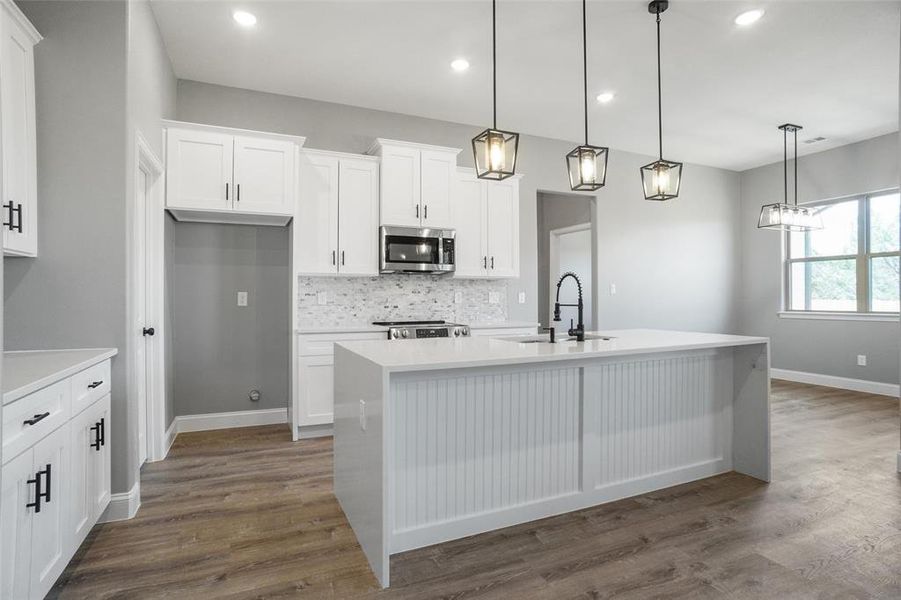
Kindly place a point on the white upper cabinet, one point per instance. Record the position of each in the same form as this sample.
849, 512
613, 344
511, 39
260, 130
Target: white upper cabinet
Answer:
18, 139
336, 224
199, 169
264, 175
417, 183
486, 217
221, 175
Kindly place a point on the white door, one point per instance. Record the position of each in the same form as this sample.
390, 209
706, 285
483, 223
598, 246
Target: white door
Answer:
264, 175
400, 186
358, 217
99, 484
439, 170
503, 228
571, 251
15, 526
17, 111
199, 169
317, 390
316, 217
469, 218
49, 535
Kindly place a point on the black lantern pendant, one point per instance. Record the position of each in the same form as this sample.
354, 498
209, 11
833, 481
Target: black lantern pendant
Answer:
587, 165
662, 178
785, 216
494, 150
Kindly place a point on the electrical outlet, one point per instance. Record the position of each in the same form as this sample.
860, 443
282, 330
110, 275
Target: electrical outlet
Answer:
861, 360
242, 298
494, 298
613, 289
522, 297
362, 415
321, 299
458, 297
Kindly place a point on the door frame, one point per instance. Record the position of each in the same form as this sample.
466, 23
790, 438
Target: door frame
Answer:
151, 218
554, 259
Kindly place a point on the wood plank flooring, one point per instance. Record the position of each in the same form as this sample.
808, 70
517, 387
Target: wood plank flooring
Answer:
248, 514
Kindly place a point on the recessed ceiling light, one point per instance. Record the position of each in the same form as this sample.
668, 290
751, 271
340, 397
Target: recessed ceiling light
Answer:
460, 65
244, 18
749, 17
605, 97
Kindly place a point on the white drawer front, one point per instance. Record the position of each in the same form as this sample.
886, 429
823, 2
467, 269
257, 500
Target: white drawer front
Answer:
90, 385
30, 419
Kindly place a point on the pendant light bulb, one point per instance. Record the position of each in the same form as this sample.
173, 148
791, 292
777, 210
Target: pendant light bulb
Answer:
586, 164
496, 152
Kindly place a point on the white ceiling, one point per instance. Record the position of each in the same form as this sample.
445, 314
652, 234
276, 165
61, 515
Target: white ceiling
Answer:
829, 66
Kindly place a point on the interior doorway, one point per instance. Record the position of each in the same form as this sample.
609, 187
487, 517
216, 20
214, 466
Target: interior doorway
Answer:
567, 241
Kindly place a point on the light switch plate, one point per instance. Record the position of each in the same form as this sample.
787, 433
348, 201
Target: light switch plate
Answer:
522, 297
613, 289
362, 415
861, 360
242, 298
321, 298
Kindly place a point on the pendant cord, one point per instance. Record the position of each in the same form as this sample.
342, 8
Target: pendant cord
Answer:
494, 58
796, 166
785, 162
659, 91
585, 69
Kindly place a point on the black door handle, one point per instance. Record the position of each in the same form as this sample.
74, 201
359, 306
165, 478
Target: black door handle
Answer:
36, 505
15, 210
102, 431
46, 492
36, 419
149, 331
94, 384
95, 429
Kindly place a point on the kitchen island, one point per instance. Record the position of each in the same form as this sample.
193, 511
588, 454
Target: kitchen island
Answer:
440, 439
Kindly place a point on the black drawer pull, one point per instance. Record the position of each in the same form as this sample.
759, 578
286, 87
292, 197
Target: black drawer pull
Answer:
36, 419
95, 384
103, 431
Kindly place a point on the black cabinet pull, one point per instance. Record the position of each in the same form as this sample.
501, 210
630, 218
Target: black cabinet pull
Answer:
484, 262
15, 210
149, 331
36, 419
425, 211
226, 191
492, 262
417, 211
36, 505
102, 431
46, 492
333, 257
95, 430
95, 384
239, 192
342, 258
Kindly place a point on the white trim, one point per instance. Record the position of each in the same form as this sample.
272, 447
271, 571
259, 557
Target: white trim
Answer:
19, 17
123, 506
229, 420
297, 139
845, 383
377, 145
838, 316
171, 432
899, 461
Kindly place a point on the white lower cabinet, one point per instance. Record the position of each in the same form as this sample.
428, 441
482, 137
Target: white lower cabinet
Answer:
314, 399
55, 484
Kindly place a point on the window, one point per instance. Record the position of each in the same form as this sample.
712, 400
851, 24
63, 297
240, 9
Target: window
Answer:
852, 264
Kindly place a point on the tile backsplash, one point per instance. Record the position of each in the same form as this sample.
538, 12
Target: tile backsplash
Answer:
353, 301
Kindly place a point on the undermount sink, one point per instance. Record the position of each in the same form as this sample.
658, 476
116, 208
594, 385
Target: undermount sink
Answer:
545, 339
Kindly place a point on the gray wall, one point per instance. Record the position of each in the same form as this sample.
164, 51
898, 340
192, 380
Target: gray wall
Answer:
555, 211
221, 350
651, 250
73, 294
815, 346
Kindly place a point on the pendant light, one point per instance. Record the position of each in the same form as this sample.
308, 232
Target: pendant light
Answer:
661, 179
587, 165
785, 216
494, 150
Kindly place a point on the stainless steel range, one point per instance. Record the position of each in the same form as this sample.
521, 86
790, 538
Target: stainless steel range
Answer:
411, 330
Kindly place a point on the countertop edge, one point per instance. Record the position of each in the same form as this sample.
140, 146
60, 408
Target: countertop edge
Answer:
29, 388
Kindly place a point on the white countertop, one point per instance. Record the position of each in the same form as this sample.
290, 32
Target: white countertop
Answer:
27, 372
369, 328
428, 354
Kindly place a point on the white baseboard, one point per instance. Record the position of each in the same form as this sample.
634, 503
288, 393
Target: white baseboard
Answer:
123, 506
228, 420
899, 461
170, 437
845, 383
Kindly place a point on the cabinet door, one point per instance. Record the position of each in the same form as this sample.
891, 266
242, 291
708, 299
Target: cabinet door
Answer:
82, 433
439, 170
317, 390
99, 486
49, 547
17, 112
264, 176
15, 527
358, 217
469, 219
503, 228
316, 219
199, 169
400, 186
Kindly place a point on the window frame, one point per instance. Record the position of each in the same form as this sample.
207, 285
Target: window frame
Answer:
862, 260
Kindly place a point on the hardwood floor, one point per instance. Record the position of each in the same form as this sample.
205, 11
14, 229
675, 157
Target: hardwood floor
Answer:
248, 514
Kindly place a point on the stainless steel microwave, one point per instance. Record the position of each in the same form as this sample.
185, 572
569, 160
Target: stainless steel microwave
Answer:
416, 250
